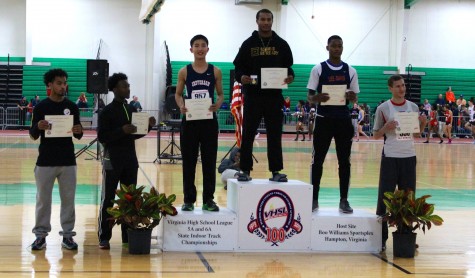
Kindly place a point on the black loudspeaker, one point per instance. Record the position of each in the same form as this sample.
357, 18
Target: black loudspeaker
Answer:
170, 103
97, 76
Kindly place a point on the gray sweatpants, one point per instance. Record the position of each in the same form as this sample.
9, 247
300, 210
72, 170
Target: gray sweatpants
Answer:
45, 178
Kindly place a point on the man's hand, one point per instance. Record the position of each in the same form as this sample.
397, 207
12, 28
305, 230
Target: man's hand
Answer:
183, 109
43, 125
77, 129
351, 96
289, 79
129, 128
213, 107
152, 121
246, 79
390, 126
323, 97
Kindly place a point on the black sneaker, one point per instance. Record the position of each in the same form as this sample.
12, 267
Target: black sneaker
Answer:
39, 243
345, 207
69, 243
187, 207
210, 205
104, 245
314, 205
244, 176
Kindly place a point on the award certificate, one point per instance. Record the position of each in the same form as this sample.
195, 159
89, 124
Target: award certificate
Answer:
336, 94
59, 126
273, 78
140, 120
198, 109
407, 122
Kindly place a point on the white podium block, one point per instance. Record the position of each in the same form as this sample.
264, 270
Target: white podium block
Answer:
359, 231
200, 231
272, 216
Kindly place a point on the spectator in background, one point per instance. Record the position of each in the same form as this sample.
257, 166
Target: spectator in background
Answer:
449, 95
461, 101
230, 167
135, 103
82, 101
287, 104
311, 122
448, 122
433, 124
427, 106
300, 119
440, 101
22, 109
423, 120
35, 101
470, 125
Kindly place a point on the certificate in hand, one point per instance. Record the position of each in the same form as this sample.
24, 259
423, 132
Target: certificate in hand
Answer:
336, 94
140, 120
60, 126
273, 78
198, 109
408, 122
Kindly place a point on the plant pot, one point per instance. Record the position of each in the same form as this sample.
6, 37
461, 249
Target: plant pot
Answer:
404, 245
139, 241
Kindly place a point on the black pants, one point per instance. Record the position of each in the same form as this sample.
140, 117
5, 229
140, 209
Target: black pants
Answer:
255, 107
394, 171
325, 130
110, 181
199, 135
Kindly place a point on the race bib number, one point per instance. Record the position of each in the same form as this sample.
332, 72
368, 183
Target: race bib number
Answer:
403, 136
199, 94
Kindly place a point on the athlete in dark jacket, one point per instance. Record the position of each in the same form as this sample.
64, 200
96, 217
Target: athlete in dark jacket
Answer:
264, 49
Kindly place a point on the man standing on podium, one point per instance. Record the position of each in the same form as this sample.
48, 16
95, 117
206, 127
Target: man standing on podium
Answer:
199, 123
263, 51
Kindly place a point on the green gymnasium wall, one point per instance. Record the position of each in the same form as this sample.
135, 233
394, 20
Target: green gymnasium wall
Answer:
437, 80
12, 59
33, 76
373, 82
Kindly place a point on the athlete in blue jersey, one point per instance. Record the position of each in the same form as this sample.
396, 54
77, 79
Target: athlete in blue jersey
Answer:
199, 132
331, 85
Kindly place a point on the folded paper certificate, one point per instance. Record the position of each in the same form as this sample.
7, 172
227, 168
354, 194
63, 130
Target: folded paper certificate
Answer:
198, 109
336, 94
408, 122
273, 78
60, 126
140, 120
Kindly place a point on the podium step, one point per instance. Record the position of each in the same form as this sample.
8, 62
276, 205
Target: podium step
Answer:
200, 231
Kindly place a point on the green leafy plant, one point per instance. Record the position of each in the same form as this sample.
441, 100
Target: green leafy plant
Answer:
141, 210
407, 213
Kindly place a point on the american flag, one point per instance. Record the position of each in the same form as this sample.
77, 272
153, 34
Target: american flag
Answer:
236, 110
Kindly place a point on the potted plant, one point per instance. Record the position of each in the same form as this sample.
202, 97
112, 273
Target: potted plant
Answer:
407, 214
141, 212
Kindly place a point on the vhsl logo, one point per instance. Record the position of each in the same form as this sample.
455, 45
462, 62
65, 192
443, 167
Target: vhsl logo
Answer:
95, 73
274, 221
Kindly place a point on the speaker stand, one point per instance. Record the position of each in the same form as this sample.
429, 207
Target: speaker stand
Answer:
93, 155
173, 156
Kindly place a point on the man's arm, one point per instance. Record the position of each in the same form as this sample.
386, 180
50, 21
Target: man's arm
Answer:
241, 71
180, 86
219, 90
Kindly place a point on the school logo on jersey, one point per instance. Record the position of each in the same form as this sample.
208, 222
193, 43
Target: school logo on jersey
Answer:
274, 221
67, 111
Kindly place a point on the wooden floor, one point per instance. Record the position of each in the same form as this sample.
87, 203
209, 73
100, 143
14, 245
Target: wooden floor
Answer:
445, 171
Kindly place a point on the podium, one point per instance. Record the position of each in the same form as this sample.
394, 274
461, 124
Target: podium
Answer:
266, 216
